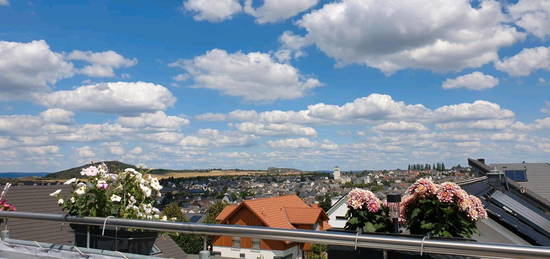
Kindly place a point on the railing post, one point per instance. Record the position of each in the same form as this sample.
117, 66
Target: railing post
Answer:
204, 254
5, 235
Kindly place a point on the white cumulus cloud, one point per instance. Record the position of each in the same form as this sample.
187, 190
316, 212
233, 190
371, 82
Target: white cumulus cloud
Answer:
526, 62
473, 81
390, 35
212, 10
272, 129
4, 2
112, 97
155, 121
291, 143
102, 64
254, 76
478, 110
401, 126
277, 10
533, 16
29, 68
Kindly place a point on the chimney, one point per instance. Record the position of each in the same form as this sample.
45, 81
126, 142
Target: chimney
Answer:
496, 178
482, 160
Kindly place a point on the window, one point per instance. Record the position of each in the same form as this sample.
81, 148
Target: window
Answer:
256, 244
236, 242
516, 175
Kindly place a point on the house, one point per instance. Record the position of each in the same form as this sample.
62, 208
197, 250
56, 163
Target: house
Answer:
516, 213
289, 212
35, 198
337, 212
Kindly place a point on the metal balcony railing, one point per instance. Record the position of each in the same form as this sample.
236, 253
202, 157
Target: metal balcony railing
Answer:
385, 242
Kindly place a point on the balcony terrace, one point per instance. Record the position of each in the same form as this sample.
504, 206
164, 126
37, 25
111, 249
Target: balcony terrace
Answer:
13, 248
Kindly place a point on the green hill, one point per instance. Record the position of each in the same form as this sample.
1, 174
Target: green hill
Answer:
75, 172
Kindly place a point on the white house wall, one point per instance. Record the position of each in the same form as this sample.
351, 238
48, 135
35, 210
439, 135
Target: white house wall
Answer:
231, 252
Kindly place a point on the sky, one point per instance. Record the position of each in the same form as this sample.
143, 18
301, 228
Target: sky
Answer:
308, 84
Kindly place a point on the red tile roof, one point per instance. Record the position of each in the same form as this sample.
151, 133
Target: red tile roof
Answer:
278, 212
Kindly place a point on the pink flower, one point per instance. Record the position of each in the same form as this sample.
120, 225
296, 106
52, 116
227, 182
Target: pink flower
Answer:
445, 196
102, 185
360, 199
422, 187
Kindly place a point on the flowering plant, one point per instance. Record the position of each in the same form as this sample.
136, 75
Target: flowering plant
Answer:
366, 212
127, 194
443, 210
4, 205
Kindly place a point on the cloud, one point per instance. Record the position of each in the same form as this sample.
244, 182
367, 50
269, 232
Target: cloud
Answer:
85, 152
538, 124
477, 125
272, 11
478, 110
254, 76
212, 10
58, 116
370, 109
153, 121
216, 138
291, 143
391, 35
546, 109
533, 16
526, 62
373, 107
30, 68
112, 97
400, 126
275, 129
4, 2
102, 63
473, 81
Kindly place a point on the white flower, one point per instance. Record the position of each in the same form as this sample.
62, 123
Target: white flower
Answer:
60, 201
155, 184
131, 170
72, 180
155, 210
55, 193
81, 190
90, 171
146, 190
164, 218
73, 200
115, 198
103, 168
156, 216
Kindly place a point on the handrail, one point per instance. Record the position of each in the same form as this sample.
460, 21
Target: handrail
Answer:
386, 242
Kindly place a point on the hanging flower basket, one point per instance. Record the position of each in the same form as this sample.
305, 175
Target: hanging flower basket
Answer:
128, 194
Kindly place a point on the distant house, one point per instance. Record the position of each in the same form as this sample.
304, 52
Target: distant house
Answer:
288, 212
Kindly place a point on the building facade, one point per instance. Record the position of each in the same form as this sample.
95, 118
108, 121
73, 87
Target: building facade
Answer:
288, 212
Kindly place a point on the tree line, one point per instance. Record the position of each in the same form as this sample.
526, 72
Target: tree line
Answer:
422, 167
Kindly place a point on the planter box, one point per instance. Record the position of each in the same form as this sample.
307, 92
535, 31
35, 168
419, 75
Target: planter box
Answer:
135, 242
336, 252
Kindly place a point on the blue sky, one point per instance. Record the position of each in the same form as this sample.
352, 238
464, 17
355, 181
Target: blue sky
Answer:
289, 83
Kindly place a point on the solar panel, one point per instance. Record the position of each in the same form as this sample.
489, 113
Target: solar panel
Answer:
516, 175
522, 210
